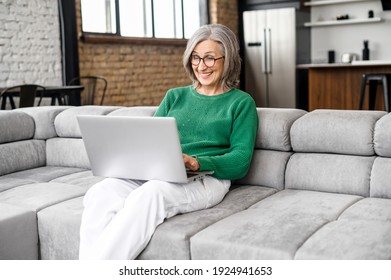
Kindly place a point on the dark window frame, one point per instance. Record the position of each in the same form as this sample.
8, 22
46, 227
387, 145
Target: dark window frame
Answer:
106, 37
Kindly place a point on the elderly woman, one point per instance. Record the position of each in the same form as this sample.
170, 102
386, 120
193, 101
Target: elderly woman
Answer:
217, 125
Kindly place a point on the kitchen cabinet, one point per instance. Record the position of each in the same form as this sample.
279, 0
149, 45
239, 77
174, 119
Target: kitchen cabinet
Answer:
337, 86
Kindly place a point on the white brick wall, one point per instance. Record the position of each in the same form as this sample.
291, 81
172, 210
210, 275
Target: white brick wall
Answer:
30, 46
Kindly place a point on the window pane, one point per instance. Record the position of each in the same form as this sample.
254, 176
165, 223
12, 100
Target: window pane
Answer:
178, 19
164, 19
98, 16
134, 17
191, 11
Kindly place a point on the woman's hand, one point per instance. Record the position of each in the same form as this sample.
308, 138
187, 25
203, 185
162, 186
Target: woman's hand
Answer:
191, 162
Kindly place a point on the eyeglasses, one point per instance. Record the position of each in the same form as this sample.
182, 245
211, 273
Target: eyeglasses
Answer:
209, 61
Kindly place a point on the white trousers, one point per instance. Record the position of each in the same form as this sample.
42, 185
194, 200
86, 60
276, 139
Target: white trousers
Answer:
120, 216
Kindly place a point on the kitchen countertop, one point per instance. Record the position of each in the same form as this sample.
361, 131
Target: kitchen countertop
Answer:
355, 63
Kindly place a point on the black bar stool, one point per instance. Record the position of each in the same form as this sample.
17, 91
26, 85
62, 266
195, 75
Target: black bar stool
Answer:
373, 80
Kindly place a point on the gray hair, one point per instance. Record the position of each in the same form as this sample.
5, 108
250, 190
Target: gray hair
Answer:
229, 47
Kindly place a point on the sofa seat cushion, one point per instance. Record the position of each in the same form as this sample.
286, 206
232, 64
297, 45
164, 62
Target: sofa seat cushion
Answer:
83, 179
171, 239
40, 174
59, 227
373, 209
40, 195
349, 240
361, 232
18, 233
274, 228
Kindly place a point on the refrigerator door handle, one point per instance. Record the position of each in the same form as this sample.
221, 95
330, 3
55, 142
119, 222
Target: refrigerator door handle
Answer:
269, 52
264, 68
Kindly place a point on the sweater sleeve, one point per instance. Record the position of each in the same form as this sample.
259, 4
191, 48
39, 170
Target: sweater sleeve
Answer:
235, 163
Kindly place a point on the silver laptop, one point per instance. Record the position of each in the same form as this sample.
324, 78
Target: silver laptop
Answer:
140, 148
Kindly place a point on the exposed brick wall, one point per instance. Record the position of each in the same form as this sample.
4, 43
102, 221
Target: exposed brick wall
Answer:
30, 48
137, 74
140, 74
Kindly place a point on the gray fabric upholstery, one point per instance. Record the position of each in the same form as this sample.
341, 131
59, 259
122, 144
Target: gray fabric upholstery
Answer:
15, 126
335, 131
21, 155
267, 169
18, 233
59, 238
43, 119
329, 173
171, 240
274, 127
144, 111
273, 228
38, 196
66, 123
67, 152
373, 209
349, 240
381, 178
382, 136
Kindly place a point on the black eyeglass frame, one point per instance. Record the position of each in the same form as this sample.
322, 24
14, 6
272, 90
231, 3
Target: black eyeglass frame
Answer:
203, 60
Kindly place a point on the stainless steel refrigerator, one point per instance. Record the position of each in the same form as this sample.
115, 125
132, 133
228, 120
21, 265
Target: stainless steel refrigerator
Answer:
270, 56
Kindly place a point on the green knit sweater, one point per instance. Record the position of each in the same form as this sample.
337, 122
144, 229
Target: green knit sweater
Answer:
218, 130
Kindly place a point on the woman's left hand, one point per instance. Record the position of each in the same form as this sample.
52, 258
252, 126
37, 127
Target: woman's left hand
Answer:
191, 162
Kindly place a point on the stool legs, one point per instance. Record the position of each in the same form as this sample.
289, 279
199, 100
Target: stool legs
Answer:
372, 94
363, 86
385, 93
372, 80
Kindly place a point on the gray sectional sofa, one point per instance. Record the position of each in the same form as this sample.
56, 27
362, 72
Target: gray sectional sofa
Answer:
318, 188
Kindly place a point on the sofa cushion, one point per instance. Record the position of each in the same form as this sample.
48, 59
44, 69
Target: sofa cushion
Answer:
66, 122
40, 174
273, 228
335, 131
274, 127
346, 174
373, 209
171, 239
40, 195
59, 227
382, 136
145, 111
15, 126
43, 119
69, 152
267, 169
349, 240
21, 155
83, 179
381, 178
18, 233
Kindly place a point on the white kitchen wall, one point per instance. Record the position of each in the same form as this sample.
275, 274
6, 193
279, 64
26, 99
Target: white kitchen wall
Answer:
349, 38
30, 48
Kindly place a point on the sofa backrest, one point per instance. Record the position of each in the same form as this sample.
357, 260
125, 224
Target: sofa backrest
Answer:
18, 149
67, 149
380, 185
334, 151
272, 147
